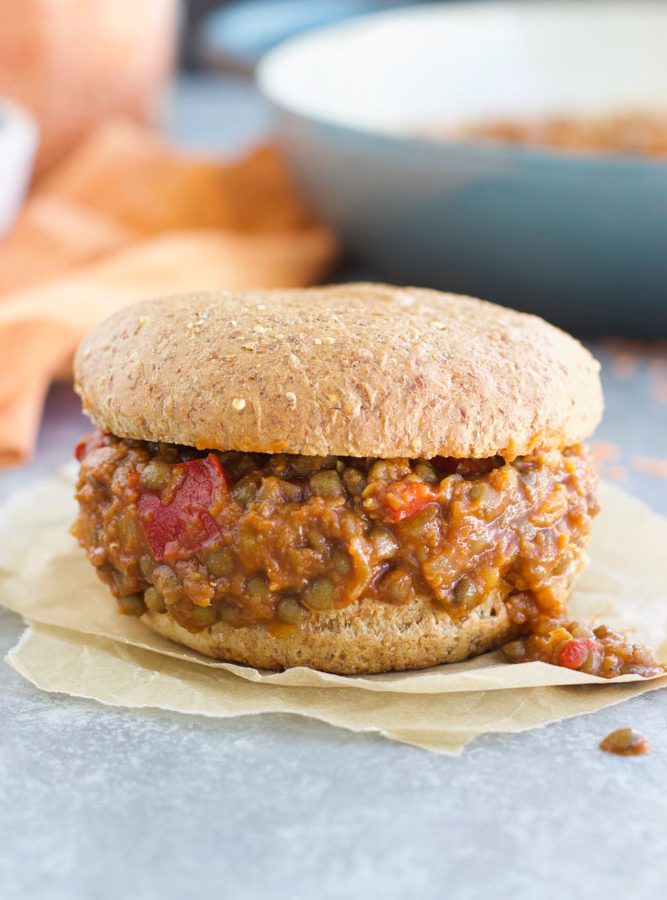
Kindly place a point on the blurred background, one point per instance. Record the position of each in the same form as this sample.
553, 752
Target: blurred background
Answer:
512, 150
509, 149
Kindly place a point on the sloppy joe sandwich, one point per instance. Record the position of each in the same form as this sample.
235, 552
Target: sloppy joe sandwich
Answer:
356, 478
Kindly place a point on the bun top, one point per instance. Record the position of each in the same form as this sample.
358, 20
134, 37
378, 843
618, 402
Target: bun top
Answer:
349, 370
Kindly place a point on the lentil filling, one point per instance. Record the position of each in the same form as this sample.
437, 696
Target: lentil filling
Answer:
630, 132
247, 539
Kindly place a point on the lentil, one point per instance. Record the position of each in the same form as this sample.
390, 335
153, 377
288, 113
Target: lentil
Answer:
320, 594
220, 563
131, 605
302, 466
154, 600
384, 543
326, 483
396, 586
245, 491
426, 471
146, 564
230, 614
341, 563
204, 615
156, 475
291, 611
466, 592
354, 480
257, 588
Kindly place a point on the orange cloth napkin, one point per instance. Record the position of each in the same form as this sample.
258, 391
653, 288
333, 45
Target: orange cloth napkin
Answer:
128, 217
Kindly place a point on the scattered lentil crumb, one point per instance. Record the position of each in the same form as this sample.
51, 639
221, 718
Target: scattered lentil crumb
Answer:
626, 742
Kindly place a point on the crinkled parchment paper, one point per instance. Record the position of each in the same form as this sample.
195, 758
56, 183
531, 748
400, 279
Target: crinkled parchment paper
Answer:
94, 652
122, 675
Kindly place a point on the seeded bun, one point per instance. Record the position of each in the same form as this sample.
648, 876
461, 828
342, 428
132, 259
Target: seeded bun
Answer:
350, 370
364, 637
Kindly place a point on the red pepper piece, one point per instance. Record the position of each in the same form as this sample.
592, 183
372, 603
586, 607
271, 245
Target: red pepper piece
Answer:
405, 499
573, 654
88, 443
185, 524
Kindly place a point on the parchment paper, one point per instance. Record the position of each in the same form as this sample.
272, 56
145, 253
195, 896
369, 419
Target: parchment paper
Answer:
45, 577
118, 674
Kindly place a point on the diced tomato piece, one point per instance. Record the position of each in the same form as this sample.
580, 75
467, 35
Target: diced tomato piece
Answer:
405, 499
573, 654
185, 524
88, 443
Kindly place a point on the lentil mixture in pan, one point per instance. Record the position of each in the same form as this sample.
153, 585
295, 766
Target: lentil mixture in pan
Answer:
250, 539
632, 133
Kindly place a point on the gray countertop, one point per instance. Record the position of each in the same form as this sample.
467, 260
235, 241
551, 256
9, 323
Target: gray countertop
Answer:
97, 802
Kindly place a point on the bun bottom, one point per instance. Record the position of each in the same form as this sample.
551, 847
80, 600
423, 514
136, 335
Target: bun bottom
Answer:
363, 638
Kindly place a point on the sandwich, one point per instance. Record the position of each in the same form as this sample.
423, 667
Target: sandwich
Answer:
355, 478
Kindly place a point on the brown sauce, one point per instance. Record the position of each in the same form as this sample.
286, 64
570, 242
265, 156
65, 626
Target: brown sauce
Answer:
628, 133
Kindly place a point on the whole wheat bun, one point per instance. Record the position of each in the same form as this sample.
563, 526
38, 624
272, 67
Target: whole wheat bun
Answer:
362, 638
350, 370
